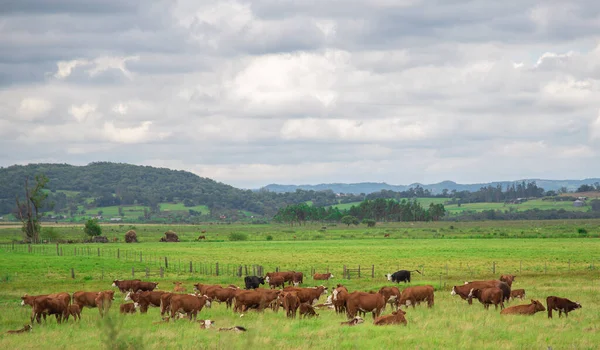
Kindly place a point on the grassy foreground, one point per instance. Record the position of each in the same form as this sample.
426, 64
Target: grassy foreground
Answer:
564, 267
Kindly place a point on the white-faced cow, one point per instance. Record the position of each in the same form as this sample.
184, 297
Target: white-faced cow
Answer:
400, 276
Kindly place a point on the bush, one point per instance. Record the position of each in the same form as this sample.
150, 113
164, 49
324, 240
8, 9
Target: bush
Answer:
92, 228
582, 232
50, 234
269, 238
369, 222
238, 236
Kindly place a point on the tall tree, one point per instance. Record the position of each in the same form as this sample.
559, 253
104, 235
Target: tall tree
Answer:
29, 210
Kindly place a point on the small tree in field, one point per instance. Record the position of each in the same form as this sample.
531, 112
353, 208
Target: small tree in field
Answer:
29, 209
369, 222
349, 220
92, 228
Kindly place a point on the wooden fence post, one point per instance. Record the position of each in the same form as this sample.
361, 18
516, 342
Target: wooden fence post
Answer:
239, 271
344, 272
246, 269
75, 251
217, 268
191, 267
358, 271
253, 270
132, 271
372, 271
98, 251
72, 273
29, 248
166, 263
118, 253
494, 267
57, 251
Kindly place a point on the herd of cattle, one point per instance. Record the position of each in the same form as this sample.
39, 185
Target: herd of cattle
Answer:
292, 298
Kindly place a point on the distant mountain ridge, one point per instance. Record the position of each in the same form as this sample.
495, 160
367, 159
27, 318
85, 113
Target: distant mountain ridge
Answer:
370, 187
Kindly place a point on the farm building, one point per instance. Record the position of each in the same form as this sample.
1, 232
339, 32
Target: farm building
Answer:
578, 203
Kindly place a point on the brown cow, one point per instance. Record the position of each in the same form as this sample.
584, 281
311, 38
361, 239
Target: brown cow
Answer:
90, 299
464, 290
353, 322
124, 285
396, 317
254, 299
306, 310
50, 306
189, 304
517, 293
165, 303
29, 299
340, 295
561, 305
225, 295
322, 276
201, 237
391, 295
297, 278
276, 281
26, 328
144, 286
75, 311
128, 308
508, 279
365, 302
178, 287
204, 288
104, 301
386, 235
145, 299
291, 302
288, 276
414, 295
488, 296
528, 309
308, 295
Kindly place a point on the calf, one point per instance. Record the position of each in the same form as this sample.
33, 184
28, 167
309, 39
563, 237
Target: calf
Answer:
306, 310
365, 302
508, 279
104, 301
291, 302
528, 309
488, 296
391, 295
353, 322
253, 282
276, 281
414, 295
178, 287
517, 293
188, 304
561, 305
396, 317
128, 308
124, 285
297, 278
206, 324
400, 276
322, 276
75, 311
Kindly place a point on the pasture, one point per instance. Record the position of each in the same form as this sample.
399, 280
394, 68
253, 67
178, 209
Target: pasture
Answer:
562, 263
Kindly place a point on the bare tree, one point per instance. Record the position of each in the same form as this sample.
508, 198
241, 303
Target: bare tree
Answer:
29, 211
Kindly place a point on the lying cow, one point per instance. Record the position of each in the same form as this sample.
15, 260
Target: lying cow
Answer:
322, 276
128, 308
488, 296
528, 309
178, 287
353, 322
253, 282
400, 276
306, 310
26, 328
206, 324
396, 317
561, 305
414, 295
517, 293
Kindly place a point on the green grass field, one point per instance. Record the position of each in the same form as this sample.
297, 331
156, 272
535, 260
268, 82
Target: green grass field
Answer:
548, 257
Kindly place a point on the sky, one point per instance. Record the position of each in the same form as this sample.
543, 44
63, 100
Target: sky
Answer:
303, 92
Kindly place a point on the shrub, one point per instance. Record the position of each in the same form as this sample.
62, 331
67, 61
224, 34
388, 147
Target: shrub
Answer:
369, 222
269, 238
92, 228
582, 232
238, 236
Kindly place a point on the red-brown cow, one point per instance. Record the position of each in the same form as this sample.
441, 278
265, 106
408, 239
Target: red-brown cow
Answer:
297, 278
308, 295
178, 287
291, 302
29, 299
508, 279
306, 310
203, 289
396, 317
144, 286
561, 305
517, 293
124, 285
365, 302
254, 299
189, 304
128, 308
165, 303
276, 281
528, 309
288, 276
391, 295
488, 296
75, 311
104, 301
414, 295
339, 297
143, 300
322, 276
464, 290
225, 295
49, 306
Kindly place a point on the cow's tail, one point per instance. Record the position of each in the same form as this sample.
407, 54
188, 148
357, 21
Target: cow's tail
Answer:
416, 271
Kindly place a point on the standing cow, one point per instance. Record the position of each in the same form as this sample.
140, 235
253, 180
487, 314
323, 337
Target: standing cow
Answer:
400, 276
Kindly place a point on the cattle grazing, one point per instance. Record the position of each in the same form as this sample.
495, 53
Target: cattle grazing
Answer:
29, 300
234, 328
201, 237
253, 282
254, 299
291, 302
306, 310
353, 322
124, 285
527, 309
297, 278
144, 286
85, 299
225, 295
26, 328
396, 317
203, 231
508, 279
104, 301
400, 276
206, 324
49, 306
145, 299
517, 293
365, 302
189, 304
178, 287
464, 290
488, 296
205, 288
308, 295
339, 297
288, 276
322, 276
561, 305
414, 295
276, 281
391, 295
75, 311
128, 308
386, 235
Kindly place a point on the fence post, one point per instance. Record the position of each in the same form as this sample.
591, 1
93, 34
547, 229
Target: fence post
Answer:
166, 263
277, 269
217, 269
72, 273
118, 253
147, 272
191, 266
57, 251
132, 271
254, 270
246, 269
239, 273
358, 271
372, 271
162, 272
494, 267
344, 272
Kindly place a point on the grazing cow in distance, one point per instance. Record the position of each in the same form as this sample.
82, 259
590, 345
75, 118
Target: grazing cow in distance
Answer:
415, 295
201, 237
488, 296
224, 295
561, 305
386, 235
203, 231
306, 310
322, 276
253, 282
353, 322
128, 308
75, 311
143, 300
464, 290
178, 287
517, 293
400, 276
508, 279
288, 276
396, 317
527, 309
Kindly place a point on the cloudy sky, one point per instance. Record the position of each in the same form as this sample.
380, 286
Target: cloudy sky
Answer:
275, 91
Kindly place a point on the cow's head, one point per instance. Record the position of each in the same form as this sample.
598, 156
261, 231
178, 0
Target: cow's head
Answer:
330, 276
115, 283
537, 306
357, 320
208, 301
389, 276
128, 296
577, 305
206, 323
453, 292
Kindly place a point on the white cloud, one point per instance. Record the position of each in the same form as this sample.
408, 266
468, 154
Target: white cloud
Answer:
135, 134
32, 108
80, 113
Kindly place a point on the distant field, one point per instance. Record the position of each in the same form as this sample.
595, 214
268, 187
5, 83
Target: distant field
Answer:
564, 266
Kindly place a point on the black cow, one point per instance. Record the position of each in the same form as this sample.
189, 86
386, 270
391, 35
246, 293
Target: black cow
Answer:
400, 276
253, 281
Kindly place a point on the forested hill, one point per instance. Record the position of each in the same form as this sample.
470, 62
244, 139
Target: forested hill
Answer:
108, 184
